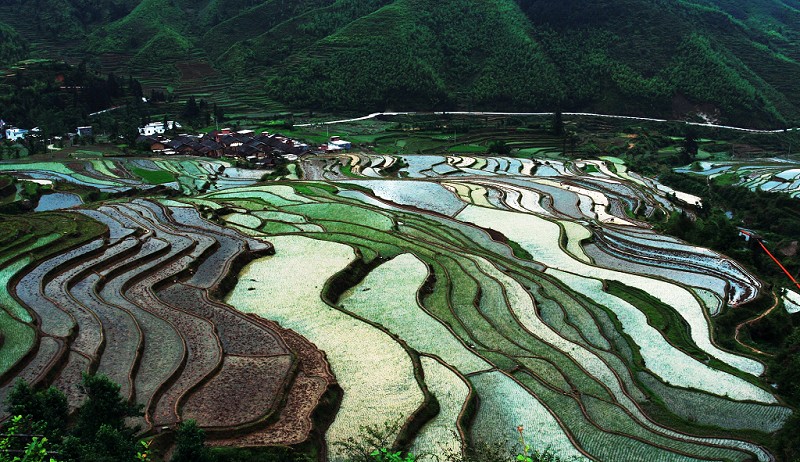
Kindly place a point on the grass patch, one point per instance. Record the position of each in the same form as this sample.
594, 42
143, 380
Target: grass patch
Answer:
347, 171
518, 251
727, 179
468, 148
154, 176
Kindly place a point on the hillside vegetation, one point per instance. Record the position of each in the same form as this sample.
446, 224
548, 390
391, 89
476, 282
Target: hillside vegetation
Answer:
12, 49
728, 59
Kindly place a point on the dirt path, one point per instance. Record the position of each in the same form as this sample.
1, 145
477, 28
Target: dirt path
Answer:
754, 320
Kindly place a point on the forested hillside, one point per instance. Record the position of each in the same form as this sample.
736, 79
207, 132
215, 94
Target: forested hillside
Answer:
12, 48
731, 60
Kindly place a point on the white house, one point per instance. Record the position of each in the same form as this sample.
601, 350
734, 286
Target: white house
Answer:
157, 128
14, 134
340, 143
330, 147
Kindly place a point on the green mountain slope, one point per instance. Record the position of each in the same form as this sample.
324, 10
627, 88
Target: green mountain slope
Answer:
730, 60
12, 47
416, 53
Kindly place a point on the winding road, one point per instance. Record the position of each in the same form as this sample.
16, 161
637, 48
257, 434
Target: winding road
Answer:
522, 114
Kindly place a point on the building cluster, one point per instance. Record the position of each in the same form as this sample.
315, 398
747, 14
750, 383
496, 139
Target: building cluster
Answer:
262, 148
11, 133
258, 148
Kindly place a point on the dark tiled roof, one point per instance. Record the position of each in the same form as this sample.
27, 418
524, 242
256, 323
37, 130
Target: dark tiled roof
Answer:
142, 139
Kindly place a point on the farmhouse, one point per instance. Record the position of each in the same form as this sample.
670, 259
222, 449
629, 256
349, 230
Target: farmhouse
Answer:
158, 128
14, 134
339, 143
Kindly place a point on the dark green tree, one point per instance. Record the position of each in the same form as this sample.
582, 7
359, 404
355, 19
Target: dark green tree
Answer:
219, 113
558, 123
107, 445
114, 88
499, 147
679, 224
135, 89
190, 445
46, 410
689, 147
191, 111
104, 406
100, 433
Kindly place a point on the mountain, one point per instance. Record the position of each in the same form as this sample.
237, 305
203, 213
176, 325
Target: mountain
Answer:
730, 60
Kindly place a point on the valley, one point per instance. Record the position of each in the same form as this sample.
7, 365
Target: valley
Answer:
399, 230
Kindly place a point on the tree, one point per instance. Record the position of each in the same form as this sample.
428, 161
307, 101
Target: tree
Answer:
114, 88
104, 406
35, 450
191, 110
689, 147
679, 224
558, 123
100, 433
219, 113
135, 88
43, 411
205, 112
190, 445
499, 147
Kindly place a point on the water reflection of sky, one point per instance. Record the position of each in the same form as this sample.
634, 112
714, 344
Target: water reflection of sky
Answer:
58, 201
420, 194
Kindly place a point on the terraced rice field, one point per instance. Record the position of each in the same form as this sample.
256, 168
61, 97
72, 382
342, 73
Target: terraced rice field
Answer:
460, 297
496, 275
773, 175
127, 290
188, 175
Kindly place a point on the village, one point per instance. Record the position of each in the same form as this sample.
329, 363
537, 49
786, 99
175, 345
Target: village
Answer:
262, 149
